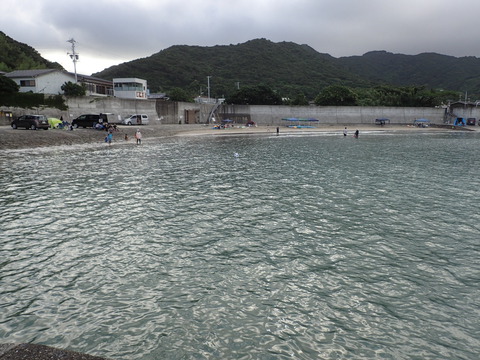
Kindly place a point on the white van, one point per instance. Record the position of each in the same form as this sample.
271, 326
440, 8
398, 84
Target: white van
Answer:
136, 119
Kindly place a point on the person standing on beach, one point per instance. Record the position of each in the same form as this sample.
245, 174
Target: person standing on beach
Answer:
345, 131
138, 137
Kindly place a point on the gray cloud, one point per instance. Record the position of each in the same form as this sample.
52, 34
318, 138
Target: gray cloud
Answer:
109, 32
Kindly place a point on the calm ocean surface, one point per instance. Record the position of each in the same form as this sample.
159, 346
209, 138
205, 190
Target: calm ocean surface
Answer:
302, 247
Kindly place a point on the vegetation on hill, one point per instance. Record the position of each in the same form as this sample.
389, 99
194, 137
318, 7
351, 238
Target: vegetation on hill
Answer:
426, 69
15, 55
295, 71
287, 68
297, 74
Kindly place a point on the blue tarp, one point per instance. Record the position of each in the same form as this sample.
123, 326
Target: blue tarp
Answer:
421, 121
300, 122
300, 119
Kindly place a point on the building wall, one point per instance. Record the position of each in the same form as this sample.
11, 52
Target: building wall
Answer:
50, 83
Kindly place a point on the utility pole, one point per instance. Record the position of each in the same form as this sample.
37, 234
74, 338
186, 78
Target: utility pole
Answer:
74, 57
208, 87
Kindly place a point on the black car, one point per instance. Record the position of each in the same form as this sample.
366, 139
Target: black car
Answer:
90, 120
33, 122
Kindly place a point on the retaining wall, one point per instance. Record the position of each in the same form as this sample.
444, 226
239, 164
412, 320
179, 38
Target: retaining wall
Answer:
168, 112
343, 115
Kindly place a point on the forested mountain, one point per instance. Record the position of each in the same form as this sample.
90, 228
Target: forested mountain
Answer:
287, 68
427, 69
15, 55
290, 69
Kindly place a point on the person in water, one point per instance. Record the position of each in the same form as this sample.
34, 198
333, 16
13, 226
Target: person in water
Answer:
356, 133
345, 131
138, 136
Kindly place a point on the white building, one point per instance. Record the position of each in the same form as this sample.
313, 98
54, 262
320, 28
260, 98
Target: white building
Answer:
50, 81
46, 81
130, 88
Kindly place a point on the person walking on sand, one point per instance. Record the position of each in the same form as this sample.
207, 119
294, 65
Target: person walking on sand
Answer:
138, 137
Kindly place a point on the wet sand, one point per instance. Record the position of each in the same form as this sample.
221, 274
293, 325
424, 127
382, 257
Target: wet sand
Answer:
21, 138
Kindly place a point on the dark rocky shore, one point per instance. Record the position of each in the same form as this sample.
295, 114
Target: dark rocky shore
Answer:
40, 352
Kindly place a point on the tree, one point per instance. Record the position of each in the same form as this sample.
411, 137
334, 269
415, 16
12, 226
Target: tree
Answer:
300, 99
405, 96
178, 94
8, 86
255, 95
336, 95
71, 89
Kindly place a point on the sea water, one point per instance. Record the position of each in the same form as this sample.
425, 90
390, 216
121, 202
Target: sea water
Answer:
248, 247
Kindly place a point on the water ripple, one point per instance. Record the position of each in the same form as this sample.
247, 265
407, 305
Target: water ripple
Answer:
301, 247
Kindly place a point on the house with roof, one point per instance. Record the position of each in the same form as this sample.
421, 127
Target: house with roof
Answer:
50, 81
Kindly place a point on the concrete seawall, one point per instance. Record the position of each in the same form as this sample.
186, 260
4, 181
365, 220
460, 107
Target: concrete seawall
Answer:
168, 112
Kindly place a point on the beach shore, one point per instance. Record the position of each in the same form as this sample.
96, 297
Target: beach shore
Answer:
21, 138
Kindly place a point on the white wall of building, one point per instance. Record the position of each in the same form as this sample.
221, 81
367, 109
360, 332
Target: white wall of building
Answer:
50, 83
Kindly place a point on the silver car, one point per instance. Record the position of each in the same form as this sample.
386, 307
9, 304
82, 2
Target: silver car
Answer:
136, 119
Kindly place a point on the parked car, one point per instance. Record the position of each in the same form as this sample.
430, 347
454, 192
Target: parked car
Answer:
471, 121
136, 119
90, 120
33, 122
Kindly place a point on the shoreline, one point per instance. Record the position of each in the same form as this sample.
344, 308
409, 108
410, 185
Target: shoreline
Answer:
11, 139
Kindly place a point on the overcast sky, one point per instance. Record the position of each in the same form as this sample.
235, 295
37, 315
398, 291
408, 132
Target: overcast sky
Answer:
110, 32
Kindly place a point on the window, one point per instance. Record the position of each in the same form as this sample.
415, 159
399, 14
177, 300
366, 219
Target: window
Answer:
27, 83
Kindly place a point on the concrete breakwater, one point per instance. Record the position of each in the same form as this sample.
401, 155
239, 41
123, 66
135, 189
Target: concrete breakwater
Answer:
169, 112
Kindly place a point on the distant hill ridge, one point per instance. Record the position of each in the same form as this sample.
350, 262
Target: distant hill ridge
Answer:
291, 68
286, 67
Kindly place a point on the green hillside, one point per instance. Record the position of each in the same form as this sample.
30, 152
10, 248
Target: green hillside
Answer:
15, 55
426, 69
285, 67
290, 69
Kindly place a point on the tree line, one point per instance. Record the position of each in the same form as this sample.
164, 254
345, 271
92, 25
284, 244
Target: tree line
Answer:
337, 95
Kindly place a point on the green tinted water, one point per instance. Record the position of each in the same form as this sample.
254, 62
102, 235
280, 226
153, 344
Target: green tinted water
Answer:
301, 247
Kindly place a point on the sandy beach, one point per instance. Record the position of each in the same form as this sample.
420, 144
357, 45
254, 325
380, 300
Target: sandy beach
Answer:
21, 138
